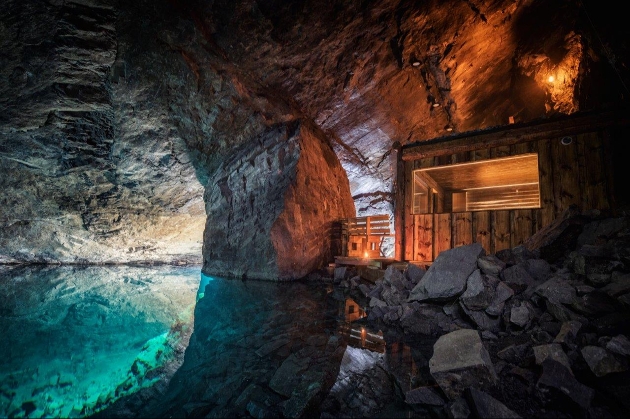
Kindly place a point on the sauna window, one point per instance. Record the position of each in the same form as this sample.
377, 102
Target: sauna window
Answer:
496, 184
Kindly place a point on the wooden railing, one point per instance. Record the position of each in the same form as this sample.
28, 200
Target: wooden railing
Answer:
363, 236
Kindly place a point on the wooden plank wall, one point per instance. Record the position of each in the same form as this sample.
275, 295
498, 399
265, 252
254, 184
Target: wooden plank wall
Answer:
569, 174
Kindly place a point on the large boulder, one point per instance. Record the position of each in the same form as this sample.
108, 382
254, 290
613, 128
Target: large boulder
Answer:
272, 205
447, 276
459, 361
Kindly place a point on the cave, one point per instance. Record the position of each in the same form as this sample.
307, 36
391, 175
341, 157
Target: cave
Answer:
314, 208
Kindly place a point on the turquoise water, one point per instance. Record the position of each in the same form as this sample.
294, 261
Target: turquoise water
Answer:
76, 339
107, 342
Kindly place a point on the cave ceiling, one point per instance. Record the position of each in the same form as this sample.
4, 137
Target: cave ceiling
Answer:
372, 73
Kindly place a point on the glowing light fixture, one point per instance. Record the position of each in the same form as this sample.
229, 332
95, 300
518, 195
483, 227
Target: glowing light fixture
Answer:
551, 79
416, 63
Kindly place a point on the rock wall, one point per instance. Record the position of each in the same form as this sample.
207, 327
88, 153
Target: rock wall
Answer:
115, 116
271, 206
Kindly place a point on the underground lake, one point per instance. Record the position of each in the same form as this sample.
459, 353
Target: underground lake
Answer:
125, 341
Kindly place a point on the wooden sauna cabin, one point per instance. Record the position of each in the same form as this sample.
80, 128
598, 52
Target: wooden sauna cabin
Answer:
498, 187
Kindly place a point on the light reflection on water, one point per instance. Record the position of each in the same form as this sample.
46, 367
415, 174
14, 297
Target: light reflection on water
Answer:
75, 339
81, 342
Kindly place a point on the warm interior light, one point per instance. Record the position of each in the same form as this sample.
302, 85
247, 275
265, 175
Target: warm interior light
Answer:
365, 255
551, 79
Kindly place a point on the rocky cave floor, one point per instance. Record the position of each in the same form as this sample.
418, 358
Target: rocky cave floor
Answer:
523, 333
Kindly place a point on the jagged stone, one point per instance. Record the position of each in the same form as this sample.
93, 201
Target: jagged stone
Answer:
375, 302
539, 269
619, 285
619, 345
480, 291
423, 396
460, 361
558, 385
491, 265
502, 294
557, 290
514, 354
424, 319
562, 313
568, 332
458, 409
485, 406
521, 315
553, 351
596, 303
517, 275
447, 276
598, 229
272, 228
603, 362
365, 290
483, 320
414, 273
516, 255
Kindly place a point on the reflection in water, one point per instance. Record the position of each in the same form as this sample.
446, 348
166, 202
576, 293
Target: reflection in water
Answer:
75, 339
81, 342
359, 335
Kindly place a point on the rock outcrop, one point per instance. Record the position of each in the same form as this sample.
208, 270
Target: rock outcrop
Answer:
115, 119
271, 206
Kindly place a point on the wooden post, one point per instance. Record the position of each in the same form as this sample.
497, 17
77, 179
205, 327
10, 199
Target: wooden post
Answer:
399, 202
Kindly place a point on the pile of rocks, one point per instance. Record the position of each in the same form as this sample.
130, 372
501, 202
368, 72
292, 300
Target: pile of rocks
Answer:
537, 330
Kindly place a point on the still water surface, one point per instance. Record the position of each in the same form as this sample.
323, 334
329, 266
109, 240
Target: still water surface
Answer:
87, 341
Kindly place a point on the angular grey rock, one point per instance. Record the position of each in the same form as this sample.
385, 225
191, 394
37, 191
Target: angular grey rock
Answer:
424, 396
568, 332
392, 295
482, 320
562, 313
619, 285
517, 275
479, 292
414, 273
365, 290
521, 315
460, 361
502, 293
491, 265
603, 362
340, 273
539, 269
375, 302
447, 276
553, 351
394, 277
557, 290
558, 385
514, 354
272, 346
619, 345
485, 406
424, 319
600, 228
376, 291
458, 409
